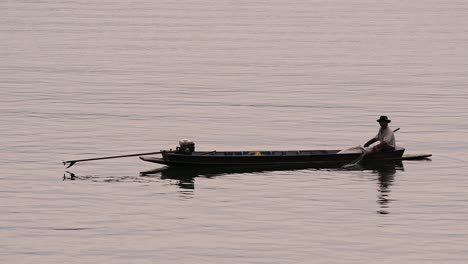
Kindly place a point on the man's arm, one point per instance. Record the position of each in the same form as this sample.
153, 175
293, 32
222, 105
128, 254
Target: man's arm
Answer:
370, 142
379, 146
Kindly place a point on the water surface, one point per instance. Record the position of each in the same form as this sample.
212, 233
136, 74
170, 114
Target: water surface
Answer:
82, 79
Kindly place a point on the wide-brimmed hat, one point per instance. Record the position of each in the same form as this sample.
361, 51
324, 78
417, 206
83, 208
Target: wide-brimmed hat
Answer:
384, 119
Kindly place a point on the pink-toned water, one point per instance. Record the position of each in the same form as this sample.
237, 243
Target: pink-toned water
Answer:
81, 79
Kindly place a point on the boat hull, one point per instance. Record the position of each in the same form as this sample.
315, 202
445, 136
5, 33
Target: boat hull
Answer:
190, 172
316, 158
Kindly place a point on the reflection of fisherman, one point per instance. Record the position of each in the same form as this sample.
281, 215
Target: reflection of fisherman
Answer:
385, 137
386, 173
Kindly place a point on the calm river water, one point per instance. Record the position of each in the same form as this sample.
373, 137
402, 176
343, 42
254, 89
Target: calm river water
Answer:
83, 79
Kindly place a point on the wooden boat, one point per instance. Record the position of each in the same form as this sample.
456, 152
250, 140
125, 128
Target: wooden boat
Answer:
185, 155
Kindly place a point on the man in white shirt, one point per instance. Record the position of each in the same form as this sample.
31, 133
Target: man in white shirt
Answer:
385, 137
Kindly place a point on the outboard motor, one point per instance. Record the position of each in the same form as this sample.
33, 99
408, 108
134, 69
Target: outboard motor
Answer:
186, 146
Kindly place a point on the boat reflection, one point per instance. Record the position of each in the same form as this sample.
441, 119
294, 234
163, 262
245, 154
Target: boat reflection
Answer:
184, 177
386, 170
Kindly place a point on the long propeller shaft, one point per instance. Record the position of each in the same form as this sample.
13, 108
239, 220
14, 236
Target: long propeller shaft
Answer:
72, 162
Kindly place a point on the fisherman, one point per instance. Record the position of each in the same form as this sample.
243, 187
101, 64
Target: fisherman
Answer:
385, 137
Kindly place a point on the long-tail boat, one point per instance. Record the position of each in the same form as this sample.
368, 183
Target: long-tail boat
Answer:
185, 155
